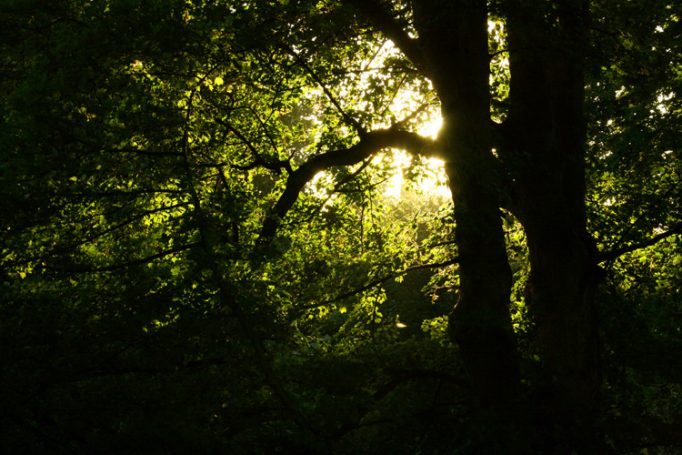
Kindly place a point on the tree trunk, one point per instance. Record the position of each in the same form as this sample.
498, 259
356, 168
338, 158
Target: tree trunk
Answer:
544, 152
454, 37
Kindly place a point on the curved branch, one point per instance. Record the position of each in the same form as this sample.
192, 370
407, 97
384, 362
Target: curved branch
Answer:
381, 18
369, 144
617, 252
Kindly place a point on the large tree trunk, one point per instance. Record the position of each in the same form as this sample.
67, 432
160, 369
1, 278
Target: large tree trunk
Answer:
454, 37
545, 157
543, 152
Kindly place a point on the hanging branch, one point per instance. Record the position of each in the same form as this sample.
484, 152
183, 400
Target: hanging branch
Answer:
258, 160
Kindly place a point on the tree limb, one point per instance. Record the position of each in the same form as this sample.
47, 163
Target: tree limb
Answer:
370, 143
383, 279
258, 160
617, 252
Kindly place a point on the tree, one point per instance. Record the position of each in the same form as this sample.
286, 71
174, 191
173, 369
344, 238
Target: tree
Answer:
169, 155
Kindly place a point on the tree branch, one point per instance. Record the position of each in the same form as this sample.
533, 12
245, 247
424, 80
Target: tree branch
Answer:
382, 280
92, 237
370, 143
617, 252
114, 267
276, 165
381, 18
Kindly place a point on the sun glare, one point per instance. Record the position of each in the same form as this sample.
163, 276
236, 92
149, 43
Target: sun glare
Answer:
432, 127
433, 181
414, 104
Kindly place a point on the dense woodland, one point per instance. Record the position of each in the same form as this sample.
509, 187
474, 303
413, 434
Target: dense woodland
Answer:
234, 226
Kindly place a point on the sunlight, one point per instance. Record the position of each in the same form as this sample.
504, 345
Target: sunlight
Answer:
432, 127
414, 106
432, 182
415, 103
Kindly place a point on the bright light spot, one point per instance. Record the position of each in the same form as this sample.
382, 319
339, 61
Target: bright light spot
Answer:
415, 108
431, 182
400, 160
620, 92
605, 154
316, 181
662, 99
432, 127
436, 182
318, 187
400, 325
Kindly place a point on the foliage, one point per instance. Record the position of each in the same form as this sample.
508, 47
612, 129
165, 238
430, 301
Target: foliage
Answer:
146, 309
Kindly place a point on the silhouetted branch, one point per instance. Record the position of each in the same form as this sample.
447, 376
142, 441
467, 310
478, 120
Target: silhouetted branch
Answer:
259, 161
370, 143
617, 252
